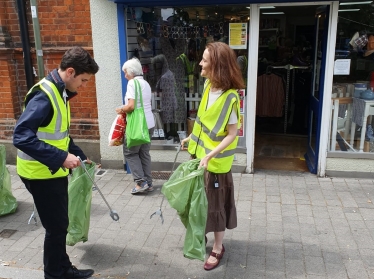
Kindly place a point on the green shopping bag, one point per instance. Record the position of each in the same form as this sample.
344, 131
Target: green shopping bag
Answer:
8, 203
137, 128
185, 192
80, 197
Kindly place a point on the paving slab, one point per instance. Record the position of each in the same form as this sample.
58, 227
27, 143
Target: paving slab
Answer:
290, 225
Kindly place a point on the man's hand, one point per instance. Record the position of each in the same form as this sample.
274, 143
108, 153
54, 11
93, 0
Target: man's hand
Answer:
71, 162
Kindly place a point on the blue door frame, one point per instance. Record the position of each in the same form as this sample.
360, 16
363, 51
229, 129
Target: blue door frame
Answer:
122, 37
316, 94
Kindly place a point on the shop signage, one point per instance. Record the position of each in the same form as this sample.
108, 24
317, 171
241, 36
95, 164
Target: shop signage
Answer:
342, 66
238, 35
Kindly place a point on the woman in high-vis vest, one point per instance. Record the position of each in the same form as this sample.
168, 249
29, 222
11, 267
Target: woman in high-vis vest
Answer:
214, 140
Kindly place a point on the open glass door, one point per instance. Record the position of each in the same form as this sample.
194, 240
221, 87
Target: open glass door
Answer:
316, 94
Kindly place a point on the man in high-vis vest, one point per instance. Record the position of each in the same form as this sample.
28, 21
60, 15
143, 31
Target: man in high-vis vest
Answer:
46, 153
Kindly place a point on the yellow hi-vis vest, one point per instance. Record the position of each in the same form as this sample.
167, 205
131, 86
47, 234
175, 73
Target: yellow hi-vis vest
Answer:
56, 134
210, 129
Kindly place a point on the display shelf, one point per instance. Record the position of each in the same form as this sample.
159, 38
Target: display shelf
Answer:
270, 29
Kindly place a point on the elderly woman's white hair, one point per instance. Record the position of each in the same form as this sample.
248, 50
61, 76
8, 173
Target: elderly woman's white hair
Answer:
133, 67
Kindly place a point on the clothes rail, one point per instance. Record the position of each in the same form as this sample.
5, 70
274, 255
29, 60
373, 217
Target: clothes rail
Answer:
287, 67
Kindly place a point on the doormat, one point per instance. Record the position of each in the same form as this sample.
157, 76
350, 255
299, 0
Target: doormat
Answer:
275, 163
274, 151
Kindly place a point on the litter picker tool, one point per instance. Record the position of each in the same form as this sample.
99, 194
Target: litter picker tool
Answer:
112, 213
33, 215
159, 211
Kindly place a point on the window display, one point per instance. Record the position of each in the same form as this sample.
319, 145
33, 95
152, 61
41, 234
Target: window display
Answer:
169, 43
352, 94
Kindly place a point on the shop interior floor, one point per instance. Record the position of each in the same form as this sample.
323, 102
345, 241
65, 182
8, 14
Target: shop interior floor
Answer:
280, 152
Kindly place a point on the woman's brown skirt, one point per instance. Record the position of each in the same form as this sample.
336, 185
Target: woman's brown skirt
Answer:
221, 202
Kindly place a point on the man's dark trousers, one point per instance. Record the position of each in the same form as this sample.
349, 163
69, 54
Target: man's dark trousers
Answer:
51, 201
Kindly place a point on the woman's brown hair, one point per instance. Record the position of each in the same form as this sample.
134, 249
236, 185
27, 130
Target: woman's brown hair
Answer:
225, 71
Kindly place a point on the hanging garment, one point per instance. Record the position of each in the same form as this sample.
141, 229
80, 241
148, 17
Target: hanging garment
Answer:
270, 96
172, 48
166, 85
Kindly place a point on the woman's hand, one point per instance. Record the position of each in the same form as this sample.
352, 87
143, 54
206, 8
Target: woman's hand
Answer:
184, 141
232, 132
205, 161
119, 110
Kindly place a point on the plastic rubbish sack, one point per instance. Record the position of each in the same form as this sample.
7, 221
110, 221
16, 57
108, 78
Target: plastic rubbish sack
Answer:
8, 203
185, 192
80, 197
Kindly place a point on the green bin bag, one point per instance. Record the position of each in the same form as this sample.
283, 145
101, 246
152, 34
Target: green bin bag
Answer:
8, 203
80, 197
185, 193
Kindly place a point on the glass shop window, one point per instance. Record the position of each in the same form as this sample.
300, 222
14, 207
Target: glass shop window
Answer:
169, 42
353, 83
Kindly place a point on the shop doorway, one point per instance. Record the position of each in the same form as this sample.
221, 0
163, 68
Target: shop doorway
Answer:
290, 70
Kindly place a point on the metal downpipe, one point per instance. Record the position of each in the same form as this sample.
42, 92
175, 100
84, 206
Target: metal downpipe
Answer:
25, 44
38, 44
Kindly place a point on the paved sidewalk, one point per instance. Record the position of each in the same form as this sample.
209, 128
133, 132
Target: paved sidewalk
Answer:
290, 225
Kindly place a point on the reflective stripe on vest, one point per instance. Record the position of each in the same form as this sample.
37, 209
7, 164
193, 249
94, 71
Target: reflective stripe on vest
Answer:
56, 133
207, 134
213, 133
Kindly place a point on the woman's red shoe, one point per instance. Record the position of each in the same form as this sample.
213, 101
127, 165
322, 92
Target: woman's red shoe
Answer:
210, 266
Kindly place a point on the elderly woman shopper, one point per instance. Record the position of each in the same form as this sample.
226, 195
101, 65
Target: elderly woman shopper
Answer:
214, 140
138, 157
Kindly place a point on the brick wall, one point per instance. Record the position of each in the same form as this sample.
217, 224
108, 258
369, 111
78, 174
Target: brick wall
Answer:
9, 21
63, 23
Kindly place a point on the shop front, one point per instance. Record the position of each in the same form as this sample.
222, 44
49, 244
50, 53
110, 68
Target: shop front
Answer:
351, 139
286, 52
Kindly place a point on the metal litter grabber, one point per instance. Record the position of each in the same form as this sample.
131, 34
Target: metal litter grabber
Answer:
112, 213
33, 215
159, 211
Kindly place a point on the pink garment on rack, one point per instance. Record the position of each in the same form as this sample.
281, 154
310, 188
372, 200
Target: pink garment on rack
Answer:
270, 96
